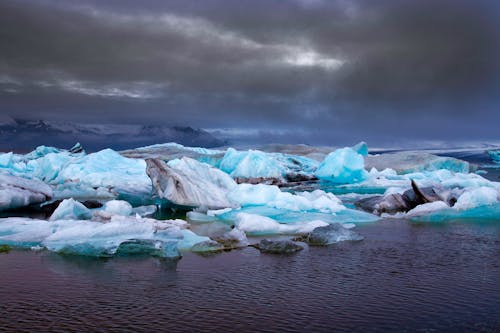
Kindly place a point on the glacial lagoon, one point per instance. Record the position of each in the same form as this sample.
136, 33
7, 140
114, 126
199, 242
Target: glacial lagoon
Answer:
166, 237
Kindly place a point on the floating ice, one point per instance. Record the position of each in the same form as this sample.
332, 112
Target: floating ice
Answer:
332, 233
481, 196
495, 155
187, 182
251, 164
41, 151
109, 169
280, 246
170, 151
361, 148
256, 225
342, 166
117, 207
410, 162
272, 196
18, 192
70, 209
257, 165
93, 238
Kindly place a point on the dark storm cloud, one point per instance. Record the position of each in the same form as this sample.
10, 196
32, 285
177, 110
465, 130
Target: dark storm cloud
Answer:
377, 68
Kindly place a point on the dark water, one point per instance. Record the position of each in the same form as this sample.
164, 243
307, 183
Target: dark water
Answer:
402, 277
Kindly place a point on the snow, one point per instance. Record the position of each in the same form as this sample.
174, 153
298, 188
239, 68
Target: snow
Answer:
342, 166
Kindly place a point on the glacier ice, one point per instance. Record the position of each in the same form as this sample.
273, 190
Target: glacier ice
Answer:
257, 225
342, 166
257, 166
495, 155
361, 148
251, 164
117, 207
411, 162
94, 238
70, 209
16, 192
187, 182
272, 196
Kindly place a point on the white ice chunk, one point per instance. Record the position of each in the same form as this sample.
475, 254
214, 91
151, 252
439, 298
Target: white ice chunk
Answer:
117, 207
260, 225
481, 196
70, 209
408, 162
272, 196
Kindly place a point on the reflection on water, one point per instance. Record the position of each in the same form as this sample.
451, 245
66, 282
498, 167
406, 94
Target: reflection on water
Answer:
403, 276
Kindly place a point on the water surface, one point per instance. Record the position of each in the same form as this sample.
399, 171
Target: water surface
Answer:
404, 276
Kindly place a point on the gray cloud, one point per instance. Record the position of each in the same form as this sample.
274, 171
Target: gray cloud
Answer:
340, 70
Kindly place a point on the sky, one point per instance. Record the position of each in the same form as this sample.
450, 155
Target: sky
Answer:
298, 71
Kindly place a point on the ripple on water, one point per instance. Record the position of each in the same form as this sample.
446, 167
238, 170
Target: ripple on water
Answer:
402, 277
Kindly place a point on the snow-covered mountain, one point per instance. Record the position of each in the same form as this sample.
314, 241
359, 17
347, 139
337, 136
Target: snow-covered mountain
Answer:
24, 135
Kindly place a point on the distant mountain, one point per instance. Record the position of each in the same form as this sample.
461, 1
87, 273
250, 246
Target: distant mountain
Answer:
24, 135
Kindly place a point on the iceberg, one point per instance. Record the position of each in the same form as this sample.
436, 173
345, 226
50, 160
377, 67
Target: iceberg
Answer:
154, 248
108, 169
251, 164
117, 207
254, 166
41, 151
93, 238
257, 225
410, 162
272, 196
361, 148
171, 151
16, 192
187, 182
342, 166
494, 154
70, 209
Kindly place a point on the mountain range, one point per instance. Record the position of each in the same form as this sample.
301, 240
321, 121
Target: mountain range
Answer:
24, 135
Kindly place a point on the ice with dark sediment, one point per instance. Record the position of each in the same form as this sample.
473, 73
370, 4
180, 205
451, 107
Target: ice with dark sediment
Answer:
187, 182
16, 192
